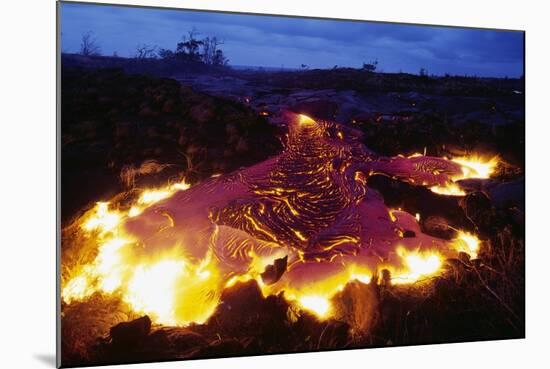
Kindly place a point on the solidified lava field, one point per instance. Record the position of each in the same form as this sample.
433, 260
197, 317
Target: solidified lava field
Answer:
224, 224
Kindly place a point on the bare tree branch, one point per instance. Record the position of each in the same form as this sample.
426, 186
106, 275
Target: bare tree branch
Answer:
88, 45
144, 51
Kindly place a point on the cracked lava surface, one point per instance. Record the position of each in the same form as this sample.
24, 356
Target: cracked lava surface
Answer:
304, 222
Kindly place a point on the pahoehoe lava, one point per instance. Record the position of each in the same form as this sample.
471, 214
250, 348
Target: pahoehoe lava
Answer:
311, 203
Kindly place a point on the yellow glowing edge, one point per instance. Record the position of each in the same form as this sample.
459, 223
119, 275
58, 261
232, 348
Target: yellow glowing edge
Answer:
450, 189
304, 119
105, 274
476, 167
317, 304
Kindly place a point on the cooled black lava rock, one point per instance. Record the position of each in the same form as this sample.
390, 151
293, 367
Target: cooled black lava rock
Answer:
478, 208
128, 334
437, 227
274, 272
244, 311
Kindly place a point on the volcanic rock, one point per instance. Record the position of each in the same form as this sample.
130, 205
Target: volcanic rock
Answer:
464, 257
202, 113
242, 146
478, 208
358, 305
437, 226
321, 108
127, 334
336, 334
183, 338
169, 106
509, 194
123, 129
244, 311
221, 348
273, 272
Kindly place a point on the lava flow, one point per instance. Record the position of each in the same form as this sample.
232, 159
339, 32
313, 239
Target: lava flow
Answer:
304, 222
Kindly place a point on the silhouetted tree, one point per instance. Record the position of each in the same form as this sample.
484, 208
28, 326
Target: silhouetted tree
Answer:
189, 47
192, 49
145, 51
209, 49
165, 54
219, 59
370, 67
88, 45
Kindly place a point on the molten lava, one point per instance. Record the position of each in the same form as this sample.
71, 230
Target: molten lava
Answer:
472, 167
172, 252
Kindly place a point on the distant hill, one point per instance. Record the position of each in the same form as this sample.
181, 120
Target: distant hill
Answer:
149, 66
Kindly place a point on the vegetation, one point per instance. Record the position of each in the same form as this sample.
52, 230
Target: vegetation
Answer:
370, 67
88, 45
190, 50
196, 50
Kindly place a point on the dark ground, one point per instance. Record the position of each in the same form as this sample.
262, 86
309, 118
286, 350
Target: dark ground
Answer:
111, 120
202, 124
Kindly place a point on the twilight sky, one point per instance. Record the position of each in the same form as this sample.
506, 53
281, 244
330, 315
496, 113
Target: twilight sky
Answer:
272, 41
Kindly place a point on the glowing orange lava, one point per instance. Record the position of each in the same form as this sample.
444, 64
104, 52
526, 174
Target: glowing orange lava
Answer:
473, 166
171, 252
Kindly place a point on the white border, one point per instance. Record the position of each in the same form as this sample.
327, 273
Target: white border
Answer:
27, 88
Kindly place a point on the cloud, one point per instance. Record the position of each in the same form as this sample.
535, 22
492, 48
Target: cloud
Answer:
291, 41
